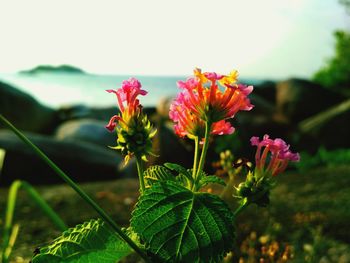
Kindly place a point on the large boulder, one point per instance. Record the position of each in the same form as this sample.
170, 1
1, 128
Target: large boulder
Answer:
88, 130
163, 107
266, 90
25, 112
298, 99
80, 111
170, 148
80, 160
330, 128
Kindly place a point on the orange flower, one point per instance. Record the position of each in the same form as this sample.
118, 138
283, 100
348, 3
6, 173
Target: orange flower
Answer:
208, 97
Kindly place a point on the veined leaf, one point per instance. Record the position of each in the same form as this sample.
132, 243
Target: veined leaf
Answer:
178, 225
210, 179
180, 169
90, 242
183, 180
157, 173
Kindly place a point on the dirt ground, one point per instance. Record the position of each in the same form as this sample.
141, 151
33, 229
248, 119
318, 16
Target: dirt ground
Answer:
309, 211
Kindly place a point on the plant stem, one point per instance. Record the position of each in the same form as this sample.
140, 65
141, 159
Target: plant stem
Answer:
10, 209
7, 248
195, 159
140, 173
242, 206
73, 185
205, 148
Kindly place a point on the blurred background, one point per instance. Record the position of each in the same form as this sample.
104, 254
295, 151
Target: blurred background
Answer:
57, 58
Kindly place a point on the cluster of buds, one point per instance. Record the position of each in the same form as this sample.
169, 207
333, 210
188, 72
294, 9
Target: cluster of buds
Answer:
134, 130
208, 98
255, 190
271, 159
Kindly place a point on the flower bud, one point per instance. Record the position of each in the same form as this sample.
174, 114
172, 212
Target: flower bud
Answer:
134, 130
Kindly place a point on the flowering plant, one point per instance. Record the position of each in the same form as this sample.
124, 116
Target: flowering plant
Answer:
175, 220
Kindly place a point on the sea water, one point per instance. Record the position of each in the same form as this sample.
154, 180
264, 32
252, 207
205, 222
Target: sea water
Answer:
62, 89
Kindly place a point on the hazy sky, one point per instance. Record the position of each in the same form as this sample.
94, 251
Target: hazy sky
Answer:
260, 38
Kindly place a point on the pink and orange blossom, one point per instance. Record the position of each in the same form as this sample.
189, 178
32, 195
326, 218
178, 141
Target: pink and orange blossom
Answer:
202, 100
280, 155
190, 125
128, 103
134, 130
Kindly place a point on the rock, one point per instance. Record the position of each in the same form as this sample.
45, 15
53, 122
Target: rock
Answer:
250, 124
298, 99
261, 106
87, 130
25, 112
163, 107
69, 112
266, 90
329, 128
171, 148
80, 160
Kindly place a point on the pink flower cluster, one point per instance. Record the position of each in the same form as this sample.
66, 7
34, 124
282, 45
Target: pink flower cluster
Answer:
128, 103
280, 155
202, 100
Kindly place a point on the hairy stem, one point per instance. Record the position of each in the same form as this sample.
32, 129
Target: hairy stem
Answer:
205, 148
139, 164
242, 206
73, 185
195, 159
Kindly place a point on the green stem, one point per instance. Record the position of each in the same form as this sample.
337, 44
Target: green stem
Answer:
140, 173
73, 185
7, 248
205, 148
195, 159
10, 209
243, 205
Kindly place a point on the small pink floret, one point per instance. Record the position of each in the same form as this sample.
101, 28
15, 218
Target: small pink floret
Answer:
222, 127
279, 151
128, 103
213, 76
255, 141
112, 123
131, 83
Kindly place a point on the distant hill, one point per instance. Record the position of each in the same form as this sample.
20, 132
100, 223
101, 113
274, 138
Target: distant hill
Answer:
53, 69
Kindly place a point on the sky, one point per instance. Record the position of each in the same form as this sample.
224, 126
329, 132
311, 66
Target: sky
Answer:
261, 39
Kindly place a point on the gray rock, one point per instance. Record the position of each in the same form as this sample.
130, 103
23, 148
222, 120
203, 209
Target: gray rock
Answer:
80, 160
170, 148
69, 112
25, 112
88, 130
298, 99
163, 107
266, 90
330, 128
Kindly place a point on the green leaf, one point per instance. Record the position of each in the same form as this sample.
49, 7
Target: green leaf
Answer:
178, 225
180, 169
157, 173
183, 180
210, 179
90, 242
